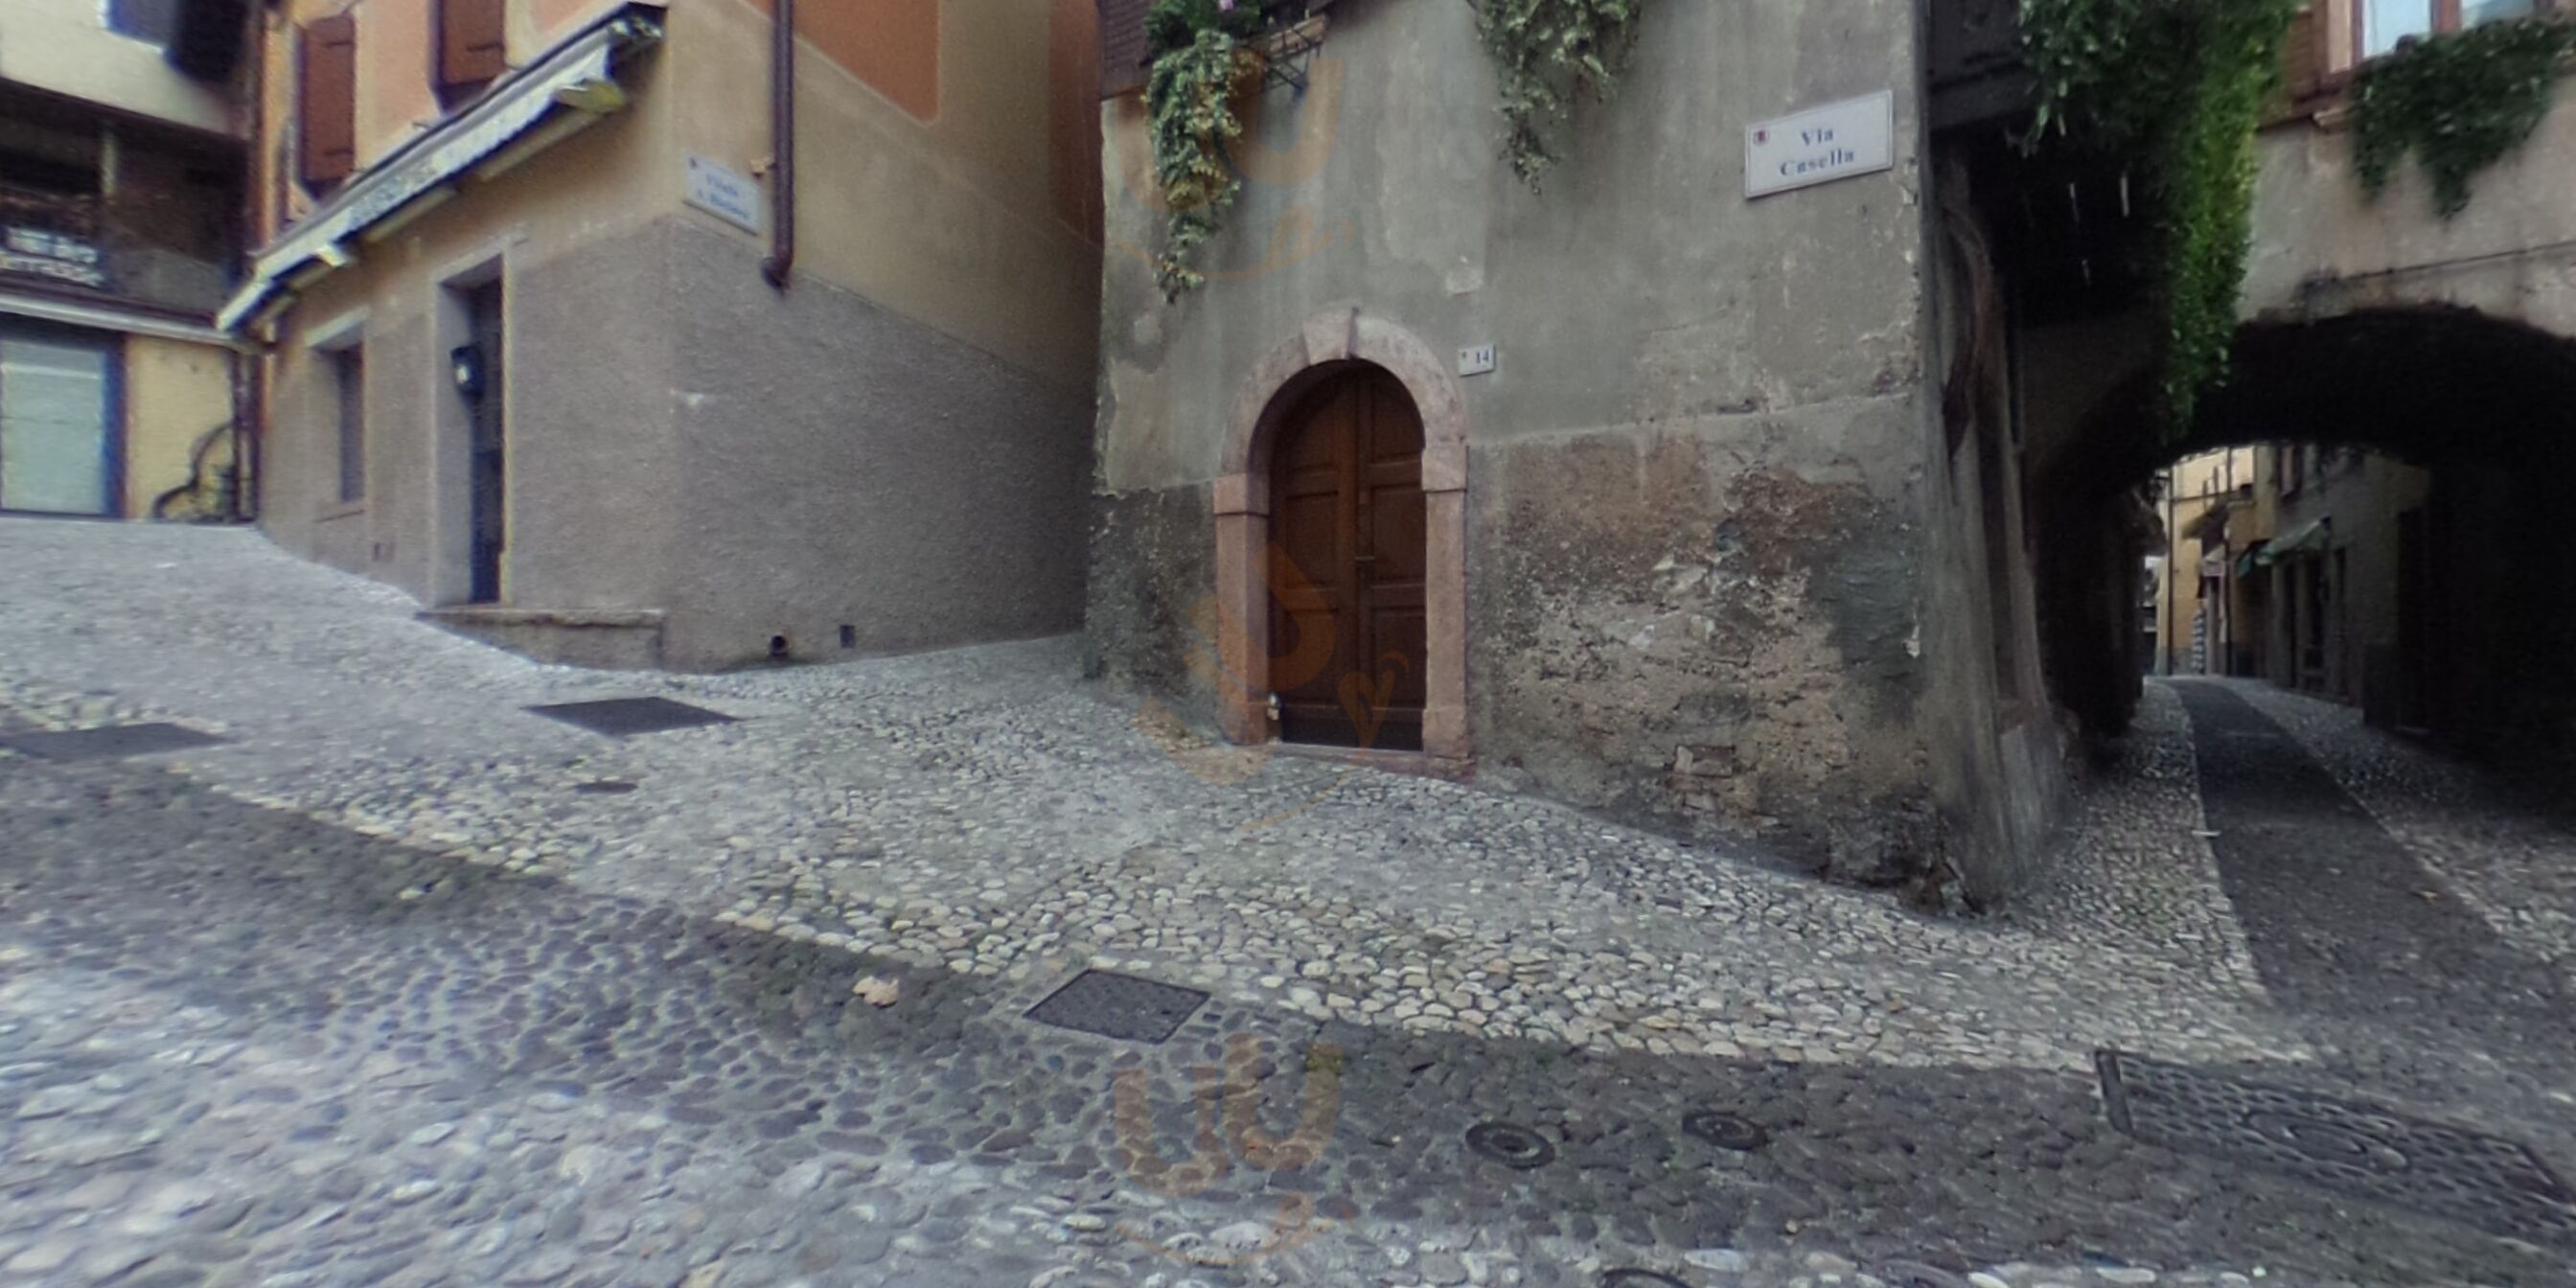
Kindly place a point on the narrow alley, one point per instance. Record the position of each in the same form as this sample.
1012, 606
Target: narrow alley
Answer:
390, 980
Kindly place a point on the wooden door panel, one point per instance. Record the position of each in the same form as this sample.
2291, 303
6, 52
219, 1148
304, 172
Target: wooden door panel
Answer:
1347, 509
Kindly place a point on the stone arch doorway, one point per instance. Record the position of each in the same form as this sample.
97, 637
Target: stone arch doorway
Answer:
1362, 370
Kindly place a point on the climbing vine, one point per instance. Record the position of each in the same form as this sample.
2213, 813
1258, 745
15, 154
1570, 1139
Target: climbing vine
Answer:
1201, 66
2182, 85
1549, 56
2458, 101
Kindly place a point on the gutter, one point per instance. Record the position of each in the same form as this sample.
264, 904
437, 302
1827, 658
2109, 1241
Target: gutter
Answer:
574, 85
781, 264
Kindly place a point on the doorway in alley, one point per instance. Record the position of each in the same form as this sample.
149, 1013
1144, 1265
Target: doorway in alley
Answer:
1348, 515
479, 380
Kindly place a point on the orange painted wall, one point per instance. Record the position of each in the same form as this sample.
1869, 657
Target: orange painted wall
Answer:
893, 45
395, 100
1073, 115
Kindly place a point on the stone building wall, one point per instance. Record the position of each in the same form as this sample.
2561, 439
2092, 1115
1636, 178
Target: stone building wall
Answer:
1699, 489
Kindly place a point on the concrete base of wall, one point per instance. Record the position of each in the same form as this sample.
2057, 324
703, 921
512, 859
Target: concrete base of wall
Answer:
607, 641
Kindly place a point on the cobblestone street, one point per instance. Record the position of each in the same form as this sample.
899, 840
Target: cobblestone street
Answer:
401, 983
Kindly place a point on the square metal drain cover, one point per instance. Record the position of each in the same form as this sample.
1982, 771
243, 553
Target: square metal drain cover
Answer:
1119, 1006
2359, 1148
624, 717
110, 742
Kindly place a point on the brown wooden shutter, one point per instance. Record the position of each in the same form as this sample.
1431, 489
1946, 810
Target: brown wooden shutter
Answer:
1122, 46
2303, 53
473, 42
327, 109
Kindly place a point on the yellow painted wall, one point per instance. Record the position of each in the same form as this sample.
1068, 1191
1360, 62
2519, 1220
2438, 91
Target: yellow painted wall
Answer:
174, 392
62, 46
951, 221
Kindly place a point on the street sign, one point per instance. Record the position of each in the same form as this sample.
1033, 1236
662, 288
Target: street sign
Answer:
1819, 145
728, 195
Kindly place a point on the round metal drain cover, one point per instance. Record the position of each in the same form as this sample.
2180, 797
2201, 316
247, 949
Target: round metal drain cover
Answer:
604, 787
1632, 1277
1511, 1145
1726, 1131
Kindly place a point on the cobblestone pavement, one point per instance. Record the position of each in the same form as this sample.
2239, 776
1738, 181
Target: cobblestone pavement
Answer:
374, 994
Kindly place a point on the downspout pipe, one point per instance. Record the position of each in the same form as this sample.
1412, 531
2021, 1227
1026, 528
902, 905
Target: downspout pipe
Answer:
781, 264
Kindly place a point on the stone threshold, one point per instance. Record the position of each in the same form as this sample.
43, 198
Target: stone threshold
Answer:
1418, 764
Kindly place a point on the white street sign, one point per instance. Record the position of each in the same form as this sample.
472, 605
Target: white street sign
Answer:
1820, 145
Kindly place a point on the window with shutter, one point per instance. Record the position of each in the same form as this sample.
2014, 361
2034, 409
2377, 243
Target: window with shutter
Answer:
327, 106
1122, 46
473, 43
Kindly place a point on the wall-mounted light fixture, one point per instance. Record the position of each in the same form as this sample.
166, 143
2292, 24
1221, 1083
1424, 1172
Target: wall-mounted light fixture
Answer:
465, 367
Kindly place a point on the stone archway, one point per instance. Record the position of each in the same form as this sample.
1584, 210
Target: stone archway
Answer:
1328, 341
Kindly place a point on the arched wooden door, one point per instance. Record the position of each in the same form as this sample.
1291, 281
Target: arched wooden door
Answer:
1346, 511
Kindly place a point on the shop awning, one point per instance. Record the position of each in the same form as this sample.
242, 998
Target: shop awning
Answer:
2307, 538
531, 108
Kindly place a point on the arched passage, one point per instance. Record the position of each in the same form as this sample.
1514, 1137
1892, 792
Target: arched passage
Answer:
1342, 345
2487, 406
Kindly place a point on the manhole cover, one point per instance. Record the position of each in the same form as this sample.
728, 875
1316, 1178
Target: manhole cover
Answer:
110, 742
1511, 1145
1118, 1006
625, 717
604, 787
1726, 1131
2360, 1148
1632, 1277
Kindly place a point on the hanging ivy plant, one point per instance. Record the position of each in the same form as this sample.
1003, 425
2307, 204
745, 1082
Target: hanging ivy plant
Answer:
2182, 85
2459, 102
1201, 67
1549, 56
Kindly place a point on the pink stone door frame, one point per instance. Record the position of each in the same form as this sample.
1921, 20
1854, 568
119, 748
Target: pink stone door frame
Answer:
1268, 397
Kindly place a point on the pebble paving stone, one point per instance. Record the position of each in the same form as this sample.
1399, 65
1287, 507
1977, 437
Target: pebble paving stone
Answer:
372, 994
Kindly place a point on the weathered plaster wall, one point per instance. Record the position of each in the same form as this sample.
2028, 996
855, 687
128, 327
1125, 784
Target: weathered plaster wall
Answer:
175, 391
1694, 519
2323, 247
62, 46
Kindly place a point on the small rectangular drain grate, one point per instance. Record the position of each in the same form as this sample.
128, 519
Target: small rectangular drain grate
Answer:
2348, 1145
110, 742
1118, 1006
626, 717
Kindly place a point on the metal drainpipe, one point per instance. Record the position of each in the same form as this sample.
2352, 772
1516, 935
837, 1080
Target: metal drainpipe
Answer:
250, 369
781, 263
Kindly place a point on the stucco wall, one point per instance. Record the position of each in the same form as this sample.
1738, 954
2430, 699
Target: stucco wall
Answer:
2322, 246
1694, 522
840, 464
949, 221
62, 46
586, 287
174, 392
684, 438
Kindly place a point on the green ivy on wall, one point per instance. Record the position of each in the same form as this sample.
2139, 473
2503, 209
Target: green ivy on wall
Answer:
1549, 56
1201, 67
2182, 85
2458, 101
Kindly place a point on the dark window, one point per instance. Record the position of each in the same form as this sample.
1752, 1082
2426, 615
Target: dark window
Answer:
52, 178
349, 378
327, 101
153, 20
